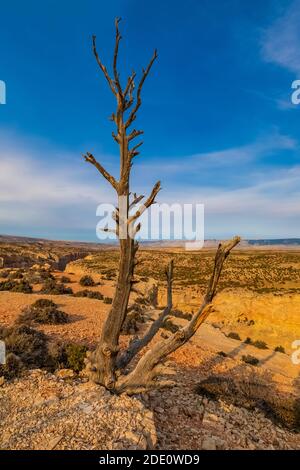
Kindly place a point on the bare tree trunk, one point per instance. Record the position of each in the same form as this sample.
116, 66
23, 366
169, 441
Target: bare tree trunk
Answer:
106, 364
102, 360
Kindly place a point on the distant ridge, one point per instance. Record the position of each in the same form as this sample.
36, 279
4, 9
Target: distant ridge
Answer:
275, 241
211, 242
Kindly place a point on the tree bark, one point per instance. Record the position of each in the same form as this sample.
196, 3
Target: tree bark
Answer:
102, 361
106, 365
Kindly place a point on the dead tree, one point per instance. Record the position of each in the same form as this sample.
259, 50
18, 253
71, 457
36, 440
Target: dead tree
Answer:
107, 365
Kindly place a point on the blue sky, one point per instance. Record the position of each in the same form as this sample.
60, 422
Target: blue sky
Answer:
219, 125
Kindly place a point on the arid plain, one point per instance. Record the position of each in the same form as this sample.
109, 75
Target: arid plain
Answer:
239, 360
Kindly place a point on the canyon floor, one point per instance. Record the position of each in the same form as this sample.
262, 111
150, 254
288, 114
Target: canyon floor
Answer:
258, 301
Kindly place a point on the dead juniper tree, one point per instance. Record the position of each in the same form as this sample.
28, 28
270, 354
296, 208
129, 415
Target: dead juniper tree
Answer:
107, 365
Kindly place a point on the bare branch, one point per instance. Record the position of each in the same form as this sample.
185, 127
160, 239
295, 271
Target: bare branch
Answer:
116, 74
130, 84
137, 345
148, 203
103, 68
134, 134
91, 159
143, 372
138, 103
133, 152
136, 200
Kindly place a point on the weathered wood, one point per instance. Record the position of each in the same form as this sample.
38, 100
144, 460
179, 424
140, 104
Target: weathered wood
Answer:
101, 363
106, 364
137, 345
144, 375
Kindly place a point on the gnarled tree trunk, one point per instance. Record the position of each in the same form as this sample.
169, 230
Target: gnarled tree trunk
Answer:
107, 365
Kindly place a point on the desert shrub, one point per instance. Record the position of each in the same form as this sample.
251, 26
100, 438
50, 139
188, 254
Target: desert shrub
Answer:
42, 303
44, 312
250, 360
260, 344
22, 286
56, 356
280, 349
27, 343
75, 355
53, 288
222, 354
16, 286
15, 275
7, 285
248, 340
87, 281
284, 410
110, 274
234, 335
253, 392
89, 294
66, 356
170, 326
141, 300
38, 277
107, 300
12, 368
183, 315
65, 280
4, 273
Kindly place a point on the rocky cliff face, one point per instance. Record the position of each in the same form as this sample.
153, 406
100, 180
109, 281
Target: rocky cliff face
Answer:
24, 260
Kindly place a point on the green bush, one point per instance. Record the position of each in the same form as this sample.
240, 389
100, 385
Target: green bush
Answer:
234, 335
87, 281
250, 360
75, 355
65, 280
66, 356
107, 300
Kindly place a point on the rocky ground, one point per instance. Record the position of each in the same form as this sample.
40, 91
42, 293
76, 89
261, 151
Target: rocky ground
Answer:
46, 411
186, 420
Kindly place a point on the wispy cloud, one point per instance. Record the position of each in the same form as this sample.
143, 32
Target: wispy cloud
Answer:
221, 159
37, 193
37, 197
281, 40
